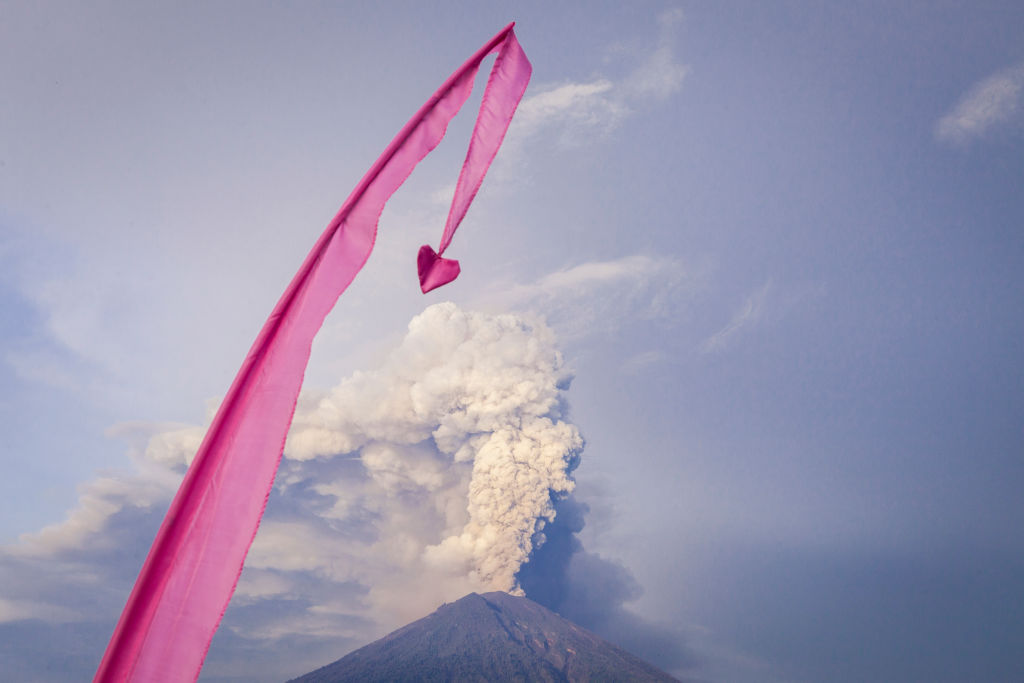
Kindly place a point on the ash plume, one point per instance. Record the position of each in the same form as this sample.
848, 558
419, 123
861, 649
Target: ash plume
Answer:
444, 471
468, 407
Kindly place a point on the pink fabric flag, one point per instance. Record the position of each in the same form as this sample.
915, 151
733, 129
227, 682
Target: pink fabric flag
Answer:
196, 559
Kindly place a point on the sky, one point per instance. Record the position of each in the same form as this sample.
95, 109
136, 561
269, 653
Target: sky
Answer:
731, 375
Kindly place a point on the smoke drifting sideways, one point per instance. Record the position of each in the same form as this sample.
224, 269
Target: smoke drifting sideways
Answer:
594, 592
446, 470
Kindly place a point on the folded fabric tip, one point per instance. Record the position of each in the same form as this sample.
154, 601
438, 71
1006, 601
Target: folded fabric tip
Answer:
435, 271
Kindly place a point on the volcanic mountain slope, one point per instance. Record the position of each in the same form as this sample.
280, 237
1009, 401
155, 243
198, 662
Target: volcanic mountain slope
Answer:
490, 637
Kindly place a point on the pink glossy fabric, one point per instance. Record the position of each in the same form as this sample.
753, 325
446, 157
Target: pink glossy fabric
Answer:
196, 559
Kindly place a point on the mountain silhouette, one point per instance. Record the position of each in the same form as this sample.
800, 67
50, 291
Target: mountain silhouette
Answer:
489, 637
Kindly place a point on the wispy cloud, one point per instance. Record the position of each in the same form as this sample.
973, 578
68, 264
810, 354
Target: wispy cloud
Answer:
639, 362
574, 107
598, 297
659, 74
995, 102
576, 111
17, 610
749, 314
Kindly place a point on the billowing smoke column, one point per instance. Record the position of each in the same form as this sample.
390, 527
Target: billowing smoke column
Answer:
432, 476
468, 409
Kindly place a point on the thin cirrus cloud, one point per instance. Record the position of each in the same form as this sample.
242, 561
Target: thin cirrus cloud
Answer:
599, 297
581, 110
640, 362
991, 104
747, 316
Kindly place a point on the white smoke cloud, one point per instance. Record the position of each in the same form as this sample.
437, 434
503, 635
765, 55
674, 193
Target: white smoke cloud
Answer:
514, 473
462, 444
401, 487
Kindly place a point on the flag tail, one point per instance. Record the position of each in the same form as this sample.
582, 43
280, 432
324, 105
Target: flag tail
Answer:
195, 561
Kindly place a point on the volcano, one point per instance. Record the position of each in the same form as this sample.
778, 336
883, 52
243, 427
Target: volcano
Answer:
489, 637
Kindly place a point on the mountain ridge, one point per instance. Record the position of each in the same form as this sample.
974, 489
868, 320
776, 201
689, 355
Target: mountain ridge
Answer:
489, 637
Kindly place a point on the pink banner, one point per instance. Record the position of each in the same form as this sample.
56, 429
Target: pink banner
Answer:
196, 559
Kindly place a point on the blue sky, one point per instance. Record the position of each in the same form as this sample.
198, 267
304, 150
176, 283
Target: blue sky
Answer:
776, 247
